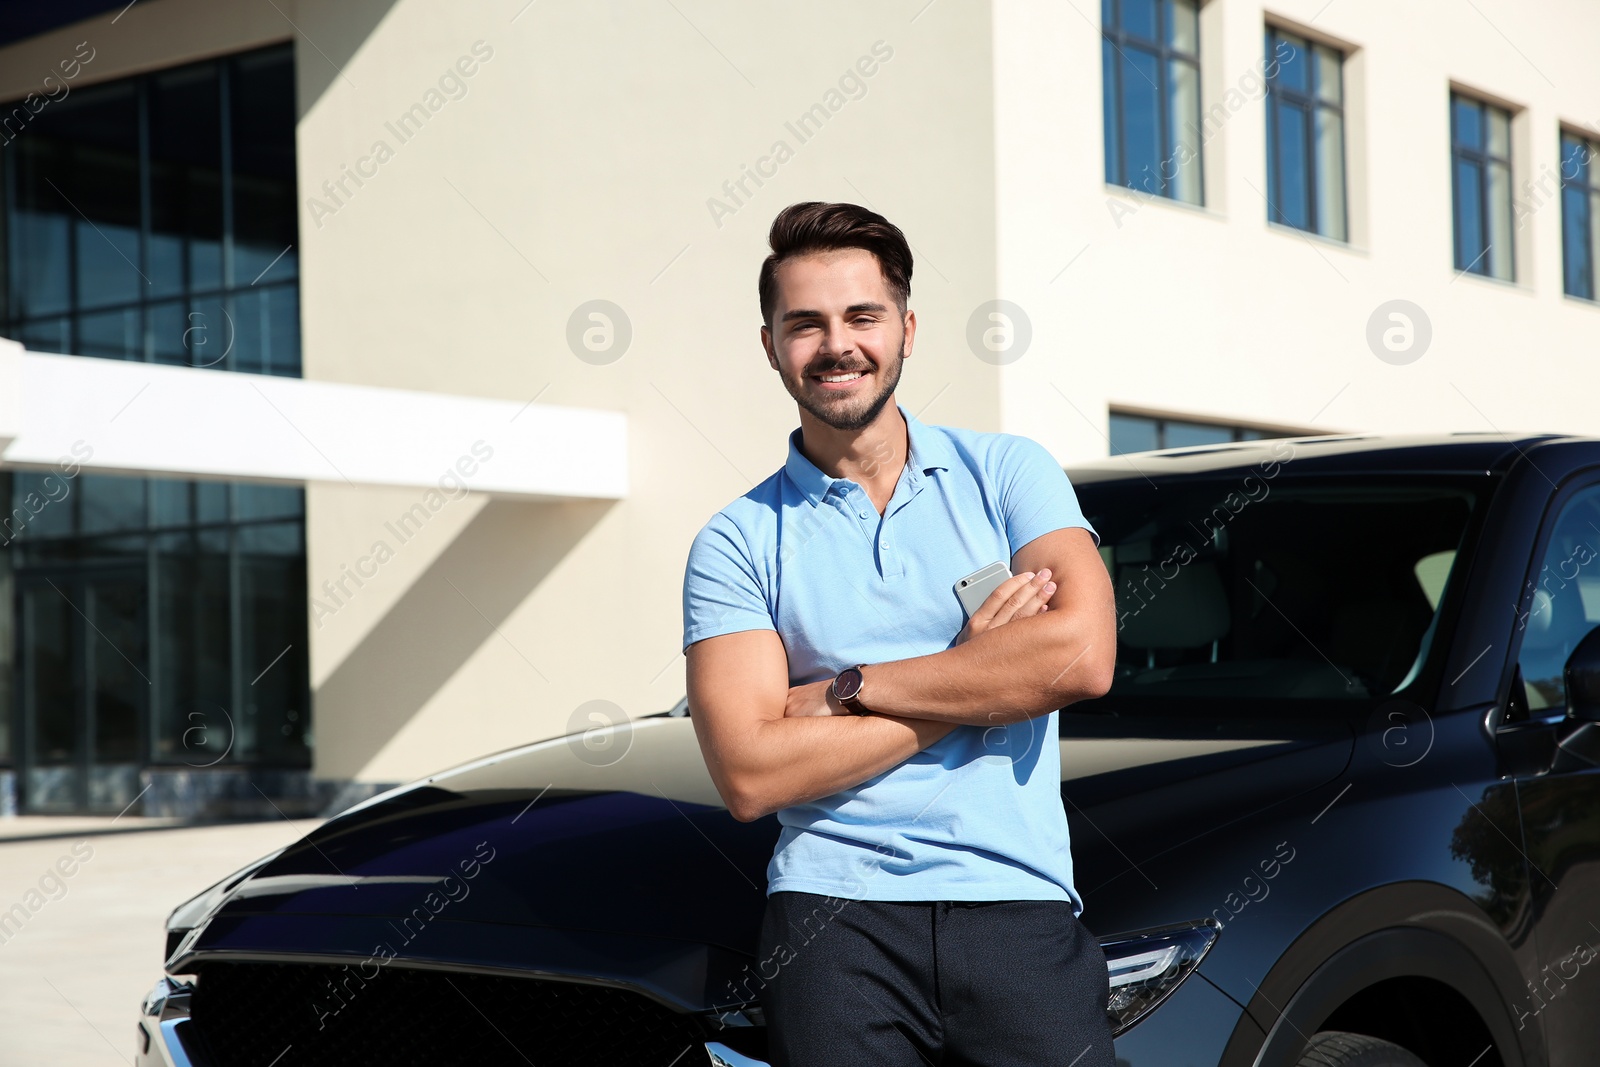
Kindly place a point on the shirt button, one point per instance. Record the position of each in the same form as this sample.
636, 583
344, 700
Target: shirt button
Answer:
863, 514
883, 545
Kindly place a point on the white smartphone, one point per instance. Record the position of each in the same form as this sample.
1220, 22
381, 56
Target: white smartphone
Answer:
975, 588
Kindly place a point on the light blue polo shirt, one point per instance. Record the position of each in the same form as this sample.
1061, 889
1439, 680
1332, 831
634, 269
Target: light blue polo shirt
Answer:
977, 815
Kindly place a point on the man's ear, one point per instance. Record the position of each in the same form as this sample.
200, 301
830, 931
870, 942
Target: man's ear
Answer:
766, 346
910, 326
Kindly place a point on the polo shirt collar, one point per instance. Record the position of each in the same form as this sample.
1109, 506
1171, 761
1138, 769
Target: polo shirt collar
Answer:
930, 451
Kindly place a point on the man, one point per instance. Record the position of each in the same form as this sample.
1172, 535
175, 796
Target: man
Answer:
920, 905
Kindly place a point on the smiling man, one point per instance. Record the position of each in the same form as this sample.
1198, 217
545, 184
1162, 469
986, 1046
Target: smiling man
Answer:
920, 904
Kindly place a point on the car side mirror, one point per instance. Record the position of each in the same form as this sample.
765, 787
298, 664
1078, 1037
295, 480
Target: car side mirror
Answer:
1582, 677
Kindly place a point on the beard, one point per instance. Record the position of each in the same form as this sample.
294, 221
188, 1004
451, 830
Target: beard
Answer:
847, 412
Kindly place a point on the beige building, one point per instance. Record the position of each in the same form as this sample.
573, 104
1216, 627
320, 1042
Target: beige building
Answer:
462, 430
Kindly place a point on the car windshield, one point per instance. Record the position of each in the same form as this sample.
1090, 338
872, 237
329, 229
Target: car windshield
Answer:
1280, 589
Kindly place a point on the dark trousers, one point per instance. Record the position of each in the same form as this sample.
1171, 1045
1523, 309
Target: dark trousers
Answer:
1002, 983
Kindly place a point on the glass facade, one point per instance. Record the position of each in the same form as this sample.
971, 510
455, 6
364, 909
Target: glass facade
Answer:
1150, 64
1141, 433
1305, 135
153, 622
1480, 163
1580, 214
153, 219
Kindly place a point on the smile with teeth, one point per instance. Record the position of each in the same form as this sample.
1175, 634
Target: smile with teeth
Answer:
845, 376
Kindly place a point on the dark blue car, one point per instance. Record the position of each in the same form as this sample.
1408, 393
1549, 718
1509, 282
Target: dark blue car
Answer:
1340, 807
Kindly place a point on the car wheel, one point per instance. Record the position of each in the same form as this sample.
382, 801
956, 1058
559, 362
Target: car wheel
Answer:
1335, 1048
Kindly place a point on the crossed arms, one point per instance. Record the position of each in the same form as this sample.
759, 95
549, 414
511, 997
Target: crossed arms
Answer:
769, 746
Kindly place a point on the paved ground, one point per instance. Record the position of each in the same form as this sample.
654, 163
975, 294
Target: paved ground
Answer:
32, 826
72, 976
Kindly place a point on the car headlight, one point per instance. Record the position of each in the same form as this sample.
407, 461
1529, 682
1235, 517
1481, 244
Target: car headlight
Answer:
1147, 966
193, 912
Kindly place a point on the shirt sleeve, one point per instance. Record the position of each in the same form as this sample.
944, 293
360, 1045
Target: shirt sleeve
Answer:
1036, 497
722, 592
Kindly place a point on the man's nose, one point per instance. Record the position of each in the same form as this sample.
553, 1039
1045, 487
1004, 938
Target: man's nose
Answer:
835, 339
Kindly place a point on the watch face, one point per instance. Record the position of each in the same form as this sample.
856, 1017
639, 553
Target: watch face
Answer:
847, 684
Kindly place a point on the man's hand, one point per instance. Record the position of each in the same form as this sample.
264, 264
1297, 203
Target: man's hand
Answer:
812, 699
1008, 673
1018, 597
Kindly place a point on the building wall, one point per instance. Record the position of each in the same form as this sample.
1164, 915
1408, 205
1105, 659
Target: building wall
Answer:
576, 166
584, 158
1212, 311
143, 38
559, 154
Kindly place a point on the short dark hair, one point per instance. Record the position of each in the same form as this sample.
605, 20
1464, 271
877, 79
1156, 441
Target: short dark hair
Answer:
814, 226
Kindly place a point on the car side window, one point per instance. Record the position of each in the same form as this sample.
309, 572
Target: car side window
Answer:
1565, 601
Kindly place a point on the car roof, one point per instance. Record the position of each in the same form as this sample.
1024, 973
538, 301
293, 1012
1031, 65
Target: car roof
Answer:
1460, 452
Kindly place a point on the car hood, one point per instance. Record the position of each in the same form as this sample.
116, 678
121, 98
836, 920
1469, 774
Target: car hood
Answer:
614, 858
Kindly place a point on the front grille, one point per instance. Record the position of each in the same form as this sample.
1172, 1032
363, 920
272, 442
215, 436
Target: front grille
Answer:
307, 1015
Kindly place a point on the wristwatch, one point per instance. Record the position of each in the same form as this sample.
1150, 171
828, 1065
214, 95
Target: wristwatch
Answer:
846, 690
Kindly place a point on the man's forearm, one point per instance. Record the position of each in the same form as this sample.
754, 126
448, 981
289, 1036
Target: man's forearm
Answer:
798, 760
1026, 668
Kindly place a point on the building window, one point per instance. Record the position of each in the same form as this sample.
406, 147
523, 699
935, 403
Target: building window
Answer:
205, 586
1141, 433
153, 623
1480, 156
153, 219
1580, 213
1305, 135
1150, 60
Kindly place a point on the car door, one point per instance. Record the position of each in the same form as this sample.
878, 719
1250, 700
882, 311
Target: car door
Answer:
1559, 796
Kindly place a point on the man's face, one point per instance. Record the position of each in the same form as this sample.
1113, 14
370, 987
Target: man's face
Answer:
837, 339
